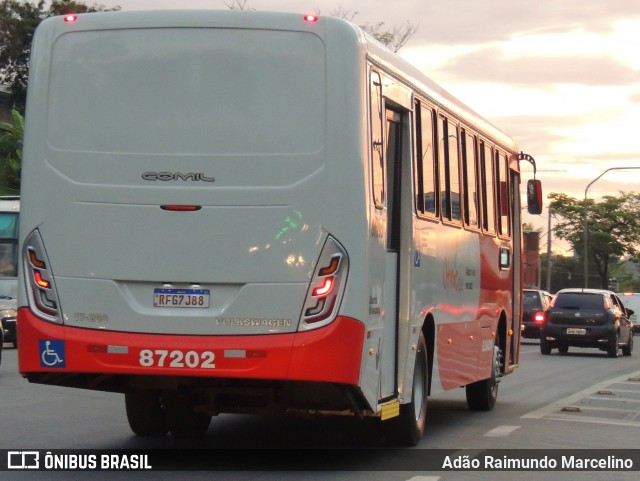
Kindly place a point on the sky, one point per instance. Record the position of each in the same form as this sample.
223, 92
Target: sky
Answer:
562, 77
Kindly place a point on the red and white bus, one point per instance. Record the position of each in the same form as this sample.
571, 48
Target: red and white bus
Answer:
244, 212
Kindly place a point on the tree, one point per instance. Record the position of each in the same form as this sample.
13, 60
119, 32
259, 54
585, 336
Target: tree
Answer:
18, 21
612, 228
11, 134
394, 38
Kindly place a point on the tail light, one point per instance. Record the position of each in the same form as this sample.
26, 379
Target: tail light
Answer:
326, 287
538, 317
43, 298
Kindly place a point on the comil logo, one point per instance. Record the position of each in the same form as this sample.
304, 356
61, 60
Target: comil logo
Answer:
169, 176
23, 460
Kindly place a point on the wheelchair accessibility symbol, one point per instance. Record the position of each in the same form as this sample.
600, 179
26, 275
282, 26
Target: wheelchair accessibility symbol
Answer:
52, 353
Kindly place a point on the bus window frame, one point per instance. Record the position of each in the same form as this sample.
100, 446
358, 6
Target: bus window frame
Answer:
444, 162
464, 133
483, 145
420, 107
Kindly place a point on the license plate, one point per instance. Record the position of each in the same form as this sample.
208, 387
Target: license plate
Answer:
576, 330
190, 298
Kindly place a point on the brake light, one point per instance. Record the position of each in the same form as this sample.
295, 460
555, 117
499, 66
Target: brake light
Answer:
70, 18
180, 208
43, 297
311, 18
40, 281
326, 287
538, 317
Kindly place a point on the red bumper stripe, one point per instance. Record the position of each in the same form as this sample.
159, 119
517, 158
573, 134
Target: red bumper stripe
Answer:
329, 354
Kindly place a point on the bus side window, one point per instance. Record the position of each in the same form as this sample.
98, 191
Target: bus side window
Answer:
426, 162
377, 153
487, 188
449, 171
471, 200
502, 179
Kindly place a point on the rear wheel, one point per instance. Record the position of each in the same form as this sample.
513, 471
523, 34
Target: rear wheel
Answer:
182, 418
482, 395
626, 350
144, 413
545, 347
563, 348
407, 428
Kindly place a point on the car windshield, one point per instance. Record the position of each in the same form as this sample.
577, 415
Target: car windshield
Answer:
578, 300
532, 299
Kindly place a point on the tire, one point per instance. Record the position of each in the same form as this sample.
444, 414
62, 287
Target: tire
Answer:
482, 395
612, 348
545, 347
144, 413
407, 428
182, 418
626, 350
563, 349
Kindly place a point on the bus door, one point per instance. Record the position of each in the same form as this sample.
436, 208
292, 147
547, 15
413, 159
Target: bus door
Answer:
392, 188
517, 274
393, 161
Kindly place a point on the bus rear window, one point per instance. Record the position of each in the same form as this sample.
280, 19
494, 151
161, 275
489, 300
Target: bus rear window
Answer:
187, 91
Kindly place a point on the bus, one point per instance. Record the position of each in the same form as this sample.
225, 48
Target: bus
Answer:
252, 212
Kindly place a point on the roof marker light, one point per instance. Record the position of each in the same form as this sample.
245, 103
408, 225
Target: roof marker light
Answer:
311, 18
181, 208
70, 18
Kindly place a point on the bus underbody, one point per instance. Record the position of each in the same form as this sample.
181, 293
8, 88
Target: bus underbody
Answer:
213, 396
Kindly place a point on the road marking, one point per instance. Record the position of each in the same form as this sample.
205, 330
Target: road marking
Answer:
501, 431
553, 410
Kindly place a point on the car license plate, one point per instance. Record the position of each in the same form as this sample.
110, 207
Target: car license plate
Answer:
576, 330
190, 298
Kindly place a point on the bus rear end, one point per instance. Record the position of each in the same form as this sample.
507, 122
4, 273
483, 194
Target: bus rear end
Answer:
173, 245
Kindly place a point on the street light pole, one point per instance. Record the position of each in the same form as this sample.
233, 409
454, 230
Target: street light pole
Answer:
586, 224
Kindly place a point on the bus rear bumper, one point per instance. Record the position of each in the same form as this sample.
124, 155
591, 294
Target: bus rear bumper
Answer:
329, 354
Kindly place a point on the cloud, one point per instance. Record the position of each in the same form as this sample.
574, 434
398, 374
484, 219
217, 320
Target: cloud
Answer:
491, 65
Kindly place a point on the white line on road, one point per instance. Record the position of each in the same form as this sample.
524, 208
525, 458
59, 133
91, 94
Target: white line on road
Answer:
574, 398
501, 431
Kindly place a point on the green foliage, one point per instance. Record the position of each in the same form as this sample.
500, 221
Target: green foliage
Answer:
18, 21
612, 226
11, 134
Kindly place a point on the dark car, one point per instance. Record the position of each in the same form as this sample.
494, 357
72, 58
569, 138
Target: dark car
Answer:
8, 321
587, 318
534, 303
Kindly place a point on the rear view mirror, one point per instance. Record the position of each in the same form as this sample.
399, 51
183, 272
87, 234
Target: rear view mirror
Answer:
534, 196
